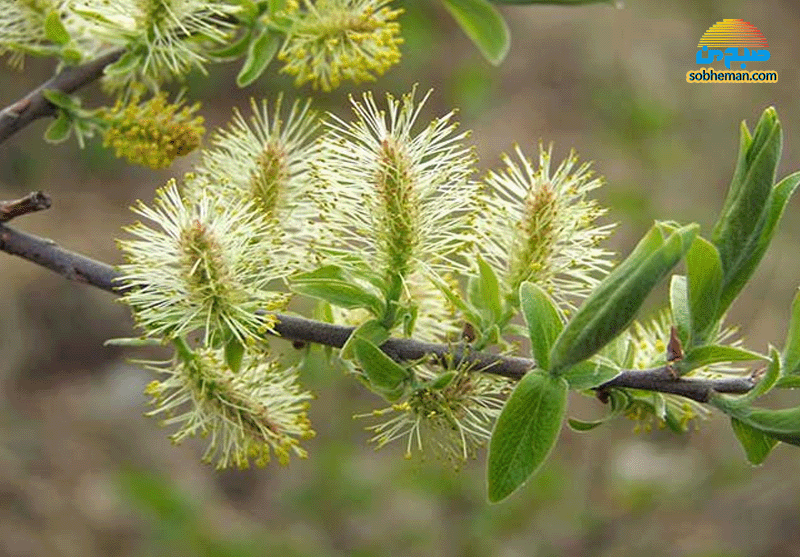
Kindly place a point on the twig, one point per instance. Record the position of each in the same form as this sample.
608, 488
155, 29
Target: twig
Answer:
34, 106
34, 201
83, 269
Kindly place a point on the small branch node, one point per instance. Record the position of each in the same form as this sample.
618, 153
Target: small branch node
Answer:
34, 201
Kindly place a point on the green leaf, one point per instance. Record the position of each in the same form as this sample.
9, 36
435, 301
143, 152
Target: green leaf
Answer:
234, 352
788, 382
334, 285
489, 290
54, 29
589, 374
62, 100
712, 354
235, 49
386, 376
525, 432
543, 320
618, 401
743, 230
484, 26
704, 270
470, 312
260, 52
370, 330
59, 129
611, 307
771, 375
679, 306
756, 444
783, 425
791, 349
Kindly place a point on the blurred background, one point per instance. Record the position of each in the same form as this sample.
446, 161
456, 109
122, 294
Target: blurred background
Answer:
83, 472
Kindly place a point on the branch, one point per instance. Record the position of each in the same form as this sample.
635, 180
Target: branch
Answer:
83, 269
33, 106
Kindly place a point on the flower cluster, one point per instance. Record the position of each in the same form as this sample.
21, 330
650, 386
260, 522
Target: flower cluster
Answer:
153, 133
247, 415
333, 40
395, 201
538, 226
451, 412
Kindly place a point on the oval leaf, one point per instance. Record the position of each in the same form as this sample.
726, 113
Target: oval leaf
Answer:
611, 307
484, 26
525, 432
712, 354
756, 445
543, 320
679, 306
260, 52
54, 29
386, 376
704, 271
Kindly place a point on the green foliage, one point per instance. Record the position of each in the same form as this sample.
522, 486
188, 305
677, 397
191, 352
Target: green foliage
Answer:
543, 320
484, 25
386, 376
525, 432
614, 303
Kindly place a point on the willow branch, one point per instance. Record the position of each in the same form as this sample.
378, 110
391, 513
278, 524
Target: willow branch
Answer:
34, 105
79, 268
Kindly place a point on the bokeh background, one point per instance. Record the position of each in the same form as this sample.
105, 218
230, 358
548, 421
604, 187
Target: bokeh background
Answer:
83, 472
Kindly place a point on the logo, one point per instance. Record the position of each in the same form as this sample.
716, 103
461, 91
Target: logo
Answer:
732, 42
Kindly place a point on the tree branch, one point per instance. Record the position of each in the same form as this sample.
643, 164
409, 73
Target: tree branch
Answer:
33, 106
76, 267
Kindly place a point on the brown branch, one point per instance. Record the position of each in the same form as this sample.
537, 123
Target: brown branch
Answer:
34, 105
34, 201
76, 267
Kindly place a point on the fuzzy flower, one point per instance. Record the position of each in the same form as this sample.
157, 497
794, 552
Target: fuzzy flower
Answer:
394, 200
163, 38
247, 415
153, 133
22, 26
333, 40
451, 413
265, 161
538, 226
202, 265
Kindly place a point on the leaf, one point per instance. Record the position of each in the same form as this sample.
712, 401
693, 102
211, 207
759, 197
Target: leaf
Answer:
611, 307
753, 207
62, 100
791, 349
235, 49
234, 352
712, 354
386, 376
767, 382
54, 29
783, 425
589, 374
489, 290
618, 401
59, 129
371, 331
704, 271
679, 306
484, 26
334, 285
260, 52
788, 382
756, 444
543, 320
525, 432
470, 313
